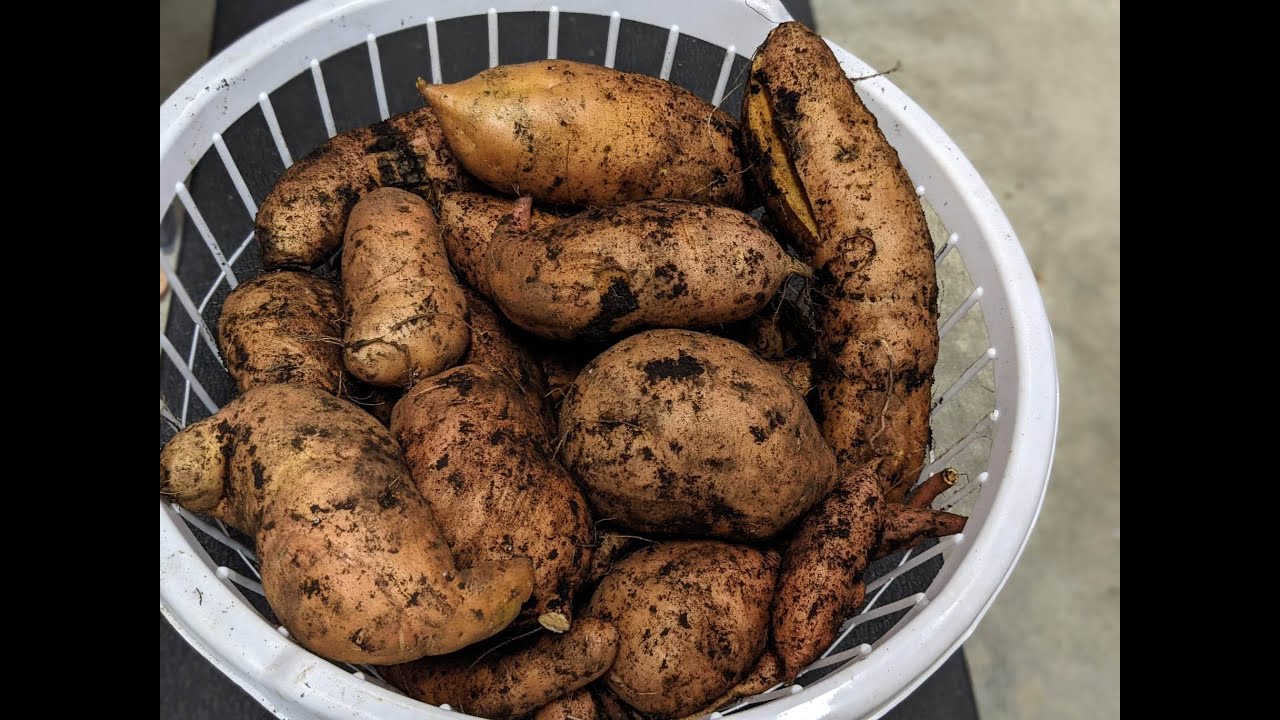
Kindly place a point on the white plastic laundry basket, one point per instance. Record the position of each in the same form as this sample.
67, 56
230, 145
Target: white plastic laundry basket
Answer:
330, 65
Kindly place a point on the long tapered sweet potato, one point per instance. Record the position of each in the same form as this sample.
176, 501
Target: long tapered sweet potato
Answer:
467, 221
300, 223
832, 179
493, 346
352, 562
656, 263
818, 587
509, 683
283, 327
569, 132
904, 526
481, 457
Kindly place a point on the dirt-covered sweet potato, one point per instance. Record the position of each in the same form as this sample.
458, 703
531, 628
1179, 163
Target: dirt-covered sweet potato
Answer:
569, 132
818, 586
655, 263
352, 562
510, 682
580, 705
480, 456
797, 371
494, 346
283, 327
300, 223
692, 618
674, 431
407, 314
467, 221
766, 673
832, 179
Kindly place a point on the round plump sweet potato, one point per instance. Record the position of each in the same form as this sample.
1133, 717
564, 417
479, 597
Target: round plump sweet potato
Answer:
352, 562
569, 132
480, 456
511, 682
692, 618
407, 311
467, 221
283, 327
673, 431
655, 263
300, 223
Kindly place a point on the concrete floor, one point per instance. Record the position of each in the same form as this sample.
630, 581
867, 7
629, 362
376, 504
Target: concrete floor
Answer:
1030, 89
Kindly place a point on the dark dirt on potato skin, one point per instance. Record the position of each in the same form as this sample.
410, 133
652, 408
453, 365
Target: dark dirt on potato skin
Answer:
352, 563
703, 602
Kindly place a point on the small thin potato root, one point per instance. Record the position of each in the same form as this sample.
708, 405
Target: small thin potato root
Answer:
351, 560
571, 132
300, 223
578, 706
467, 221
283, 327
509, 683
656, 263
407, 311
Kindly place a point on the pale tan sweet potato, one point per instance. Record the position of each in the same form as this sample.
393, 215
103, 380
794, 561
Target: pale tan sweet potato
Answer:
692, 617
495, 347
283, 327
407, 314
480, 456
467, 222
351, 560
656, 263
569, 132
508, 682
673, 431
301, 221
829, 175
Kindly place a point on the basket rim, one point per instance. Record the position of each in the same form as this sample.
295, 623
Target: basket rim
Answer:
242, 645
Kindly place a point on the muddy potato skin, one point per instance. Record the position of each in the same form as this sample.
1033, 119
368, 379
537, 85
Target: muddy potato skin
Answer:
673, 431
301, 221
569, 132
352, 562
766, 674
578, 706
467, 222
507, 684
692, 617
407, 311
655, 263
283, 327
481, 457
870, 248
495, 347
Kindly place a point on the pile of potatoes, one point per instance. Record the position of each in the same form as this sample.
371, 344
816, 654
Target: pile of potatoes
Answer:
547, 443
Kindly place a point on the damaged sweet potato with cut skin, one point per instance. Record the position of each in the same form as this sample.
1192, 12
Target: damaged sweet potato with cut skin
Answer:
835, 183
570, 132
407, 314
480, 456
283, 327
656, 263
692, 619
674, 431
301, 221
508, 683
467, 221
351, 560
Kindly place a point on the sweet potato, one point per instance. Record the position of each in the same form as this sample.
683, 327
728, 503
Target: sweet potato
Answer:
673, 431
493, 346
467, 222
300, 223
798, 372
569, 132
692, 618
818, 587
766, 673
906, 526
479, 454
407, 311
352, 562
923, 495
656, 263
610, 547
509, 683
830, 176
283, 327
580, 705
